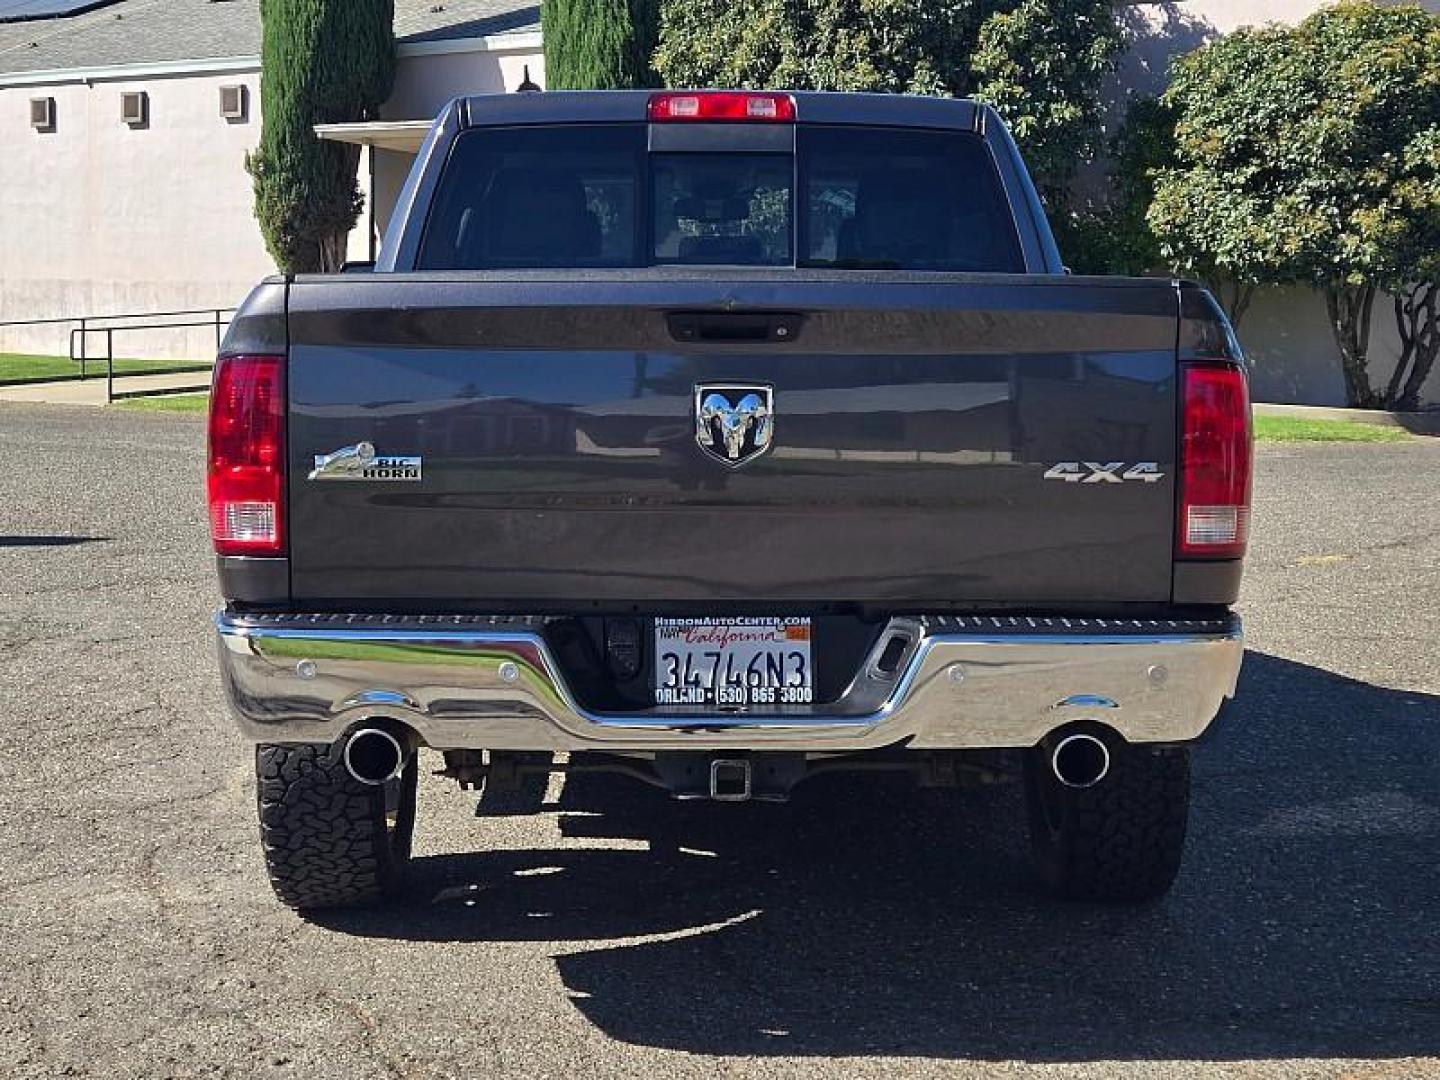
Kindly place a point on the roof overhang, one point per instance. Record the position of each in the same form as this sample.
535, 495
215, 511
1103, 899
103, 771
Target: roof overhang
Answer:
514, 41
402, 135
166, 69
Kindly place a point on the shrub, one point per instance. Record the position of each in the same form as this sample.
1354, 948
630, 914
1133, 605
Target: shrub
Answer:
322, 61
1309, 154
1039, 62
599, 44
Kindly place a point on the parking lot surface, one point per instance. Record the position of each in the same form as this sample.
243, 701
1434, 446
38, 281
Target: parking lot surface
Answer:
865, 929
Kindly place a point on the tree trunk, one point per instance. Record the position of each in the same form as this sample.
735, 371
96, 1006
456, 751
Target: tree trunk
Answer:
333, 251
1350, 308
1240, 302
1233, 296
1417, 318
1406, 316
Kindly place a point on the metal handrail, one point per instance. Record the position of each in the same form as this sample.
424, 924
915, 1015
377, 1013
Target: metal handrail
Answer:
110, 318
218, 317
111, 331
82, 331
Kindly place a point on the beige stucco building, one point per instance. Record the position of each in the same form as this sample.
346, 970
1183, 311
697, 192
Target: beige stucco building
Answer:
100, 216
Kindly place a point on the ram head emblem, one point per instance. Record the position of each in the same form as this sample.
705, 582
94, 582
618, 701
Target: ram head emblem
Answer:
734, 424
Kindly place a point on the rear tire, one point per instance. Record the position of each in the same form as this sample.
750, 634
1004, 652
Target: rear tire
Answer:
1120, 840
329, 840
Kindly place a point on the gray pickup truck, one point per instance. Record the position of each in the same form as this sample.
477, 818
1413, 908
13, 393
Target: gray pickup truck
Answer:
722, 439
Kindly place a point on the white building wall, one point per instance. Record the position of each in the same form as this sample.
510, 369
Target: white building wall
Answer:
98, 218
430, 76
1286, 333
431, 73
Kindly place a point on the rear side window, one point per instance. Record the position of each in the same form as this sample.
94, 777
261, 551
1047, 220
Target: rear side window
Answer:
537, 197
576, 196
892, 198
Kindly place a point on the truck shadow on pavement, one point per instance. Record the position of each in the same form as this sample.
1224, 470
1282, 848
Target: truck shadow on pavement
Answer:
868, 917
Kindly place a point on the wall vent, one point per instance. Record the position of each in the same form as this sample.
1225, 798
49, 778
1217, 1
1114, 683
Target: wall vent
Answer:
234, 102
135, 108
42, 113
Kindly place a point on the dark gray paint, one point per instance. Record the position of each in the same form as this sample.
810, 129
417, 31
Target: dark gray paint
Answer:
722, 138
917, 414
1037, 240
1216, 581
246, 580
259, 326
916, 420
407, 220
811, 107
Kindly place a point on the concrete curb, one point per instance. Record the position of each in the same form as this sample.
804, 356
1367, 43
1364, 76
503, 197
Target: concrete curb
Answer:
1418, 423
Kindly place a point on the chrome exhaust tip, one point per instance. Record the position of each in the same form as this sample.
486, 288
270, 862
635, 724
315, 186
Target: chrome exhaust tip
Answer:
374, 756
1080, 761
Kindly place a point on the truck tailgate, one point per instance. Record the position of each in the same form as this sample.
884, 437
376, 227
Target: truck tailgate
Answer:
915, 420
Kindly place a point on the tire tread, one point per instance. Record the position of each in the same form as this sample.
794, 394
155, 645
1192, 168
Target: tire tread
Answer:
1123, 839
324, 833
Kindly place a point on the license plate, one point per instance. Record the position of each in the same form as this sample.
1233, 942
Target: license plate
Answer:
733, 662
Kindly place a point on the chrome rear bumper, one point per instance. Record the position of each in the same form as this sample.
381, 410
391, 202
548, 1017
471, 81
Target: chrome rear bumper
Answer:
477, 683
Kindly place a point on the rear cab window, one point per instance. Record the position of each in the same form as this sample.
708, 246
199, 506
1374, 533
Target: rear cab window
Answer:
723, 209
591, 195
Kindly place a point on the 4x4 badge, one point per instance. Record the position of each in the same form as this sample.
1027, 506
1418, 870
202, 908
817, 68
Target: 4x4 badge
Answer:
361, 462
1105, 472
734, 422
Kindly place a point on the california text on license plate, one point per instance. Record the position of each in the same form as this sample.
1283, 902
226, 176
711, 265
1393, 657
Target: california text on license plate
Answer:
733, 662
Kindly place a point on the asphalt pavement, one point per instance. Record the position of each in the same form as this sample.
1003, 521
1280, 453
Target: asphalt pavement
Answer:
865, 929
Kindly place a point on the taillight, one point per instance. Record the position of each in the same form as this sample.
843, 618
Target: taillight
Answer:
247, 455
732, 105
1215, 461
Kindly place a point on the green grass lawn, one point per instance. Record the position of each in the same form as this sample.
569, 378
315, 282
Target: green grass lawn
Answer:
20, 367
171, 403
1288, 429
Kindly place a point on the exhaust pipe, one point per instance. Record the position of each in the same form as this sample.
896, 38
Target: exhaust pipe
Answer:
374, 756
1080, 761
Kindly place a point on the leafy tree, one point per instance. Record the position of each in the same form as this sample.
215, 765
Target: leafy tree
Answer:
1212, 214
1110, 234
1417, 317
1378, 123
897, 46
1039, 62
1309, 154
322, 61
1415, 281
599, 44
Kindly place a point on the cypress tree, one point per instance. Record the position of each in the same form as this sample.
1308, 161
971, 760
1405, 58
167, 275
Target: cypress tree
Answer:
599, 44
322, 62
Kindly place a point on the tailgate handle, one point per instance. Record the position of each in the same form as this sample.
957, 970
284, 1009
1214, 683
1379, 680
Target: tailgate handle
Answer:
734, 326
